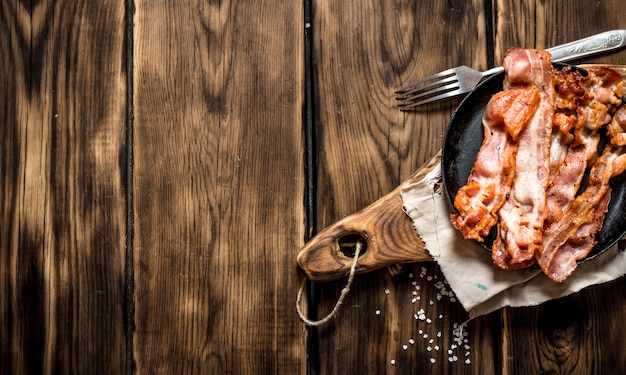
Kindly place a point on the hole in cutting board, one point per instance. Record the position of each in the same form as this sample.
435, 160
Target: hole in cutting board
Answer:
347, 244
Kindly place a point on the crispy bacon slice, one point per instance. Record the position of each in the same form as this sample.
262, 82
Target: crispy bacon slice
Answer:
572, 222
583, 104
616, 130
605, 95
565, 185
478, 201
570, 239
519, 234
570, 90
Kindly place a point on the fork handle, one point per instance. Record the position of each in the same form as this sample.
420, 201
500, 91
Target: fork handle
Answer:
603, 42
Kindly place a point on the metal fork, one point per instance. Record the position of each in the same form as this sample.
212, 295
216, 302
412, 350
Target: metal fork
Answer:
462, 79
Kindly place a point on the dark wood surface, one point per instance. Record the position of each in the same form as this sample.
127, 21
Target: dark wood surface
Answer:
163, 162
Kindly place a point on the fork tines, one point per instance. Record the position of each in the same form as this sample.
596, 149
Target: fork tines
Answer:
435, 87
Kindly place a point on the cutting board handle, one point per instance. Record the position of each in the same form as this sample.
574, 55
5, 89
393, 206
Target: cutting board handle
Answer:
386, 233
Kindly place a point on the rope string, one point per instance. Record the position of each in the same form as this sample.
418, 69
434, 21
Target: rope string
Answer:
316, 323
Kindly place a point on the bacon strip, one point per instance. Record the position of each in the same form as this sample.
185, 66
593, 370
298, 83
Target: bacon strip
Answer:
572, 222
565, 185
477, 202
570, 239
519, 234
570, 91
617, 128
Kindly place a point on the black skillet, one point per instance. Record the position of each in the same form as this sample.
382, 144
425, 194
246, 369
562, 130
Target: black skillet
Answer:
463, 139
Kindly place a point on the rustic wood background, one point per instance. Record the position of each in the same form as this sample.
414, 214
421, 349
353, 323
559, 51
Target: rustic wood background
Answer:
163, 161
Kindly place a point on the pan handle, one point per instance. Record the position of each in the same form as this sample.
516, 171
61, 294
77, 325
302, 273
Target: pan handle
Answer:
386, 233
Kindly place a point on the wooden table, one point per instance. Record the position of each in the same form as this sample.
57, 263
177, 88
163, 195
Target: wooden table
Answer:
163, 162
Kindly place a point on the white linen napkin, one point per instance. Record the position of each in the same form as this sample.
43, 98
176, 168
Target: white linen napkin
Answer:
480, 286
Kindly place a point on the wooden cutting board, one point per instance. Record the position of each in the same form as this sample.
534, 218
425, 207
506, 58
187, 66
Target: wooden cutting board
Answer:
387, 234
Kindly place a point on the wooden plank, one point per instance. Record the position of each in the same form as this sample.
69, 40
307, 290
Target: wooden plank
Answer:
583, 333
62, 219
219, 184
366, 147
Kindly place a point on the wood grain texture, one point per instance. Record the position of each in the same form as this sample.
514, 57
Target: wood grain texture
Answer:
219, 187
62, 219
366, 147
581, 334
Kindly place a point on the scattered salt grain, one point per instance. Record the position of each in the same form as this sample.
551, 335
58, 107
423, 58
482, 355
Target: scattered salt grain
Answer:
377, 312
428, 348
404, 347
467, 361
428, 321
393, 361
432, 360
387, 291
437, 347
411, 341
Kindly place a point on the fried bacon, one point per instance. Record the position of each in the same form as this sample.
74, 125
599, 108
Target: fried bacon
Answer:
616, 130
477, 202
572, 222
519, 233
573, 236
542, 134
